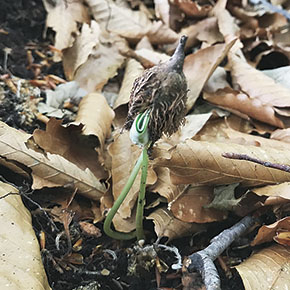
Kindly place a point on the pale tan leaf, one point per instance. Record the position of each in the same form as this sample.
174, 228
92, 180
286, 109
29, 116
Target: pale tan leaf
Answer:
78, 53
124, 156
198, 68
218, 80
279, 190
102, 64
154, 57
96, 116
20, 264
244, 105
166, 225
133, 70
53, 168
162, 10
132, 25
189, 207
63, 18
267, 269
259, 87
266, 233
202, 163
279, 75
282, 135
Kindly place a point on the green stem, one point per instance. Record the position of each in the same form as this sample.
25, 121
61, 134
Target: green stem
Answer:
141, 197
108, 221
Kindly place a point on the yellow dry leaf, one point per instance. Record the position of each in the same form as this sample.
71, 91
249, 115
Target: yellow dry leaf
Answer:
166, 225
21, 266
132, 25
78, 53
200, 162
64, 17
53, 168
124, 156
267, 269
96, 116
198, 68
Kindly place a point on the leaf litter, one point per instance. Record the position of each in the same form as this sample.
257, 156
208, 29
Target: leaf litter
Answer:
78, 165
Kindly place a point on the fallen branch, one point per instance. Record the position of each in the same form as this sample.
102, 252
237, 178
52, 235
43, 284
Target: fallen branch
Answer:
203, 261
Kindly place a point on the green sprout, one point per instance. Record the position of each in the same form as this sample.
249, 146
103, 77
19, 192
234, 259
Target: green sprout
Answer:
139, 135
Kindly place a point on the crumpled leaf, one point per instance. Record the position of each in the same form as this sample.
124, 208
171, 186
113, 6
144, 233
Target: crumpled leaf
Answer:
266, 233
102, 63
199, 66
193, 206
20, 264
267, 269
202, 163
96, 116
166, 225
78, 53
124, 156
130, 24
53, 169
70, 144
63, 17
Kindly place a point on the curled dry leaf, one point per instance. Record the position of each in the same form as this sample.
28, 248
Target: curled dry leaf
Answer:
63, 18
96, 116
198, 68
266, 233
261, 89
193, 9
162, 8
70, 144
277, 190
166, 225
20, 264
189, 207
267, 269
132, 25
78, 53
133, 70
282, 135
202, 163
102, 63
124, 156
53, 168
152, 56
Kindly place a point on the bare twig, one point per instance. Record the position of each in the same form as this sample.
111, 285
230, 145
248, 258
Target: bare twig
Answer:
203, 261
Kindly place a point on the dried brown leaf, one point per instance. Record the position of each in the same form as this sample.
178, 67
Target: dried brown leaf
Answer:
53, 168
63, 18
193, 9
279, 190
189, 207
198, 68
267, 269
20, 262
162, 8
166, 225
102, 63
266, 233
203, 163
78, 53
96, 116
282, 135
69, 143
124, 156
132, 25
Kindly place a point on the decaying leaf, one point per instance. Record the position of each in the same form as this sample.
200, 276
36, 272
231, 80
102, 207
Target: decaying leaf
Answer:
53, 168
198, 68
20, 262
267, 269
166, 225
203, 163
189, 207
267, 232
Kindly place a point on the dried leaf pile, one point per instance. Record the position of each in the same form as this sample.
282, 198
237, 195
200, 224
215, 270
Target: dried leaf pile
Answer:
237, 69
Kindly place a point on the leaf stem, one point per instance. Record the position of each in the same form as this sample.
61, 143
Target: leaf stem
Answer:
108, 221
141, 197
